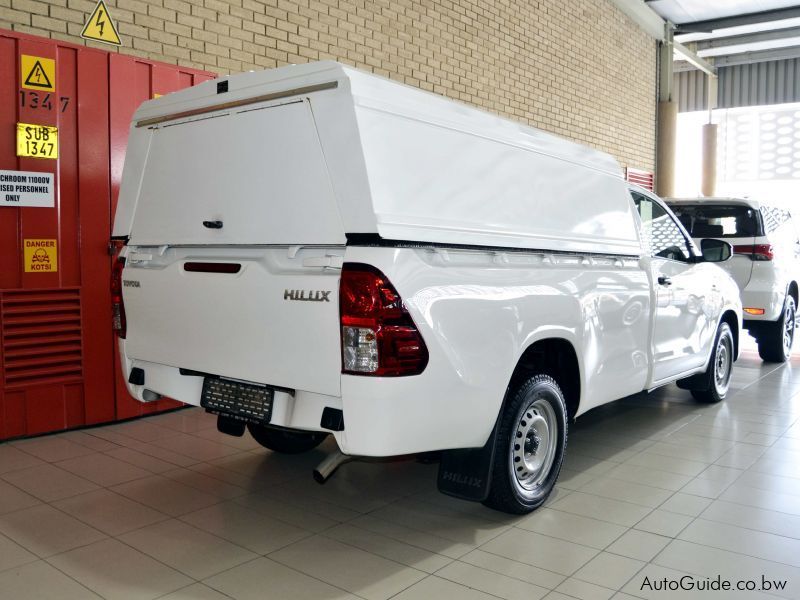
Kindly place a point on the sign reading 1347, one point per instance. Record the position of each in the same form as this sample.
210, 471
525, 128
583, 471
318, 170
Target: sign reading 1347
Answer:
37, 141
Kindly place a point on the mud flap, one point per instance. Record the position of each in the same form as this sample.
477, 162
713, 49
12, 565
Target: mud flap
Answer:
467, 473
699, 382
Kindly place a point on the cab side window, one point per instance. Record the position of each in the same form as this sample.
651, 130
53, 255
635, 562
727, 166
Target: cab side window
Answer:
660, 233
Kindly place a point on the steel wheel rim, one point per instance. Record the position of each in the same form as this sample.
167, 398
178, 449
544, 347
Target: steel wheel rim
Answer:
788, 331
533, 449
722, 364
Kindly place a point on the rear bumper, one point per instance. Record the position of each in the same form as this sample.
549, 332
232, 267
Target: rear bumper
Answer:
382, 416
302, 410
766, 296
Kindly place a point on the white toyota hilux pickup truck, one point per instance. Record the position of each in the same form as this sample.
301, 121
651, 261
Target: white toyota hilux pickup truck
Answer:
314, 251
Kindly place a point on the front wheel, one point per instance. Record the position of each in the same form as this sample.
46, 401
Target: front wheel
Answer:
717, 378
531, 440
776, 340
285, 441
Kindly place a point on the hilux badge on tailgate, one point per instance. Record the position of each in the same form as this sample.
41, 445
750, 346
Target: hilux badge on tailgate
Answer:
307, 295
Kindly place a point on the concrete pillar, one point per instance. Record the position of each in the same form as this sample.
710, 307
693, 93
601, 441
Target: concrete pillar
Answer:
708, 183
665, 153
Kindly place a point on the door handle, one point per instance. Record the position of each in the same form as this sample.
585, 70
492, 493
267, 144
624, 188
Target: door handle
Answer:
212, 224
664, 280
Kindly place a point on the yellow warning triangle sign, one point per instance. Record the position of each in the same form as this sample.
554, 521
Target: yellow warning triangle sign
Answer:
100, 28
38, 78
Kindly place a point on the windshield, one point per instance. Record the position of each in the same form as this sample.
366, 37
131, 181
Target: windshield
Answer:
707, 221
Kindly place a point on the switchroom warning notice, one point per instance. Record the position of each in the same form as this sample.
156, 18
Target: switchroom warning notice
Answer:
27, 188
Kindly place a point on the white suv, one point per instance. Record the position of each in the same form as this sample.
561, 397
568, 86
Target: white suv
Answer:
765, 264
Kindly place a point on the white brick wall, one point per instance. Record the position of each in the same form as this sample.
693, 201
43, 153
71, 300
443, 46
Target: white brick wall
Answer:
578, 68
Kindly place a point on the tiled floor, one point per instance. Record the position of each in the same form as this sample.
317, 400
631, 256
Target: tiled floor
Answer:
653, 486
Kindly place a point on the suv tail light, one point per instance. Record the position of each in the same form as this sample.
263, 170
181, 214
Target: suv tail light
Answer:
378, 335
756, 252
118, 321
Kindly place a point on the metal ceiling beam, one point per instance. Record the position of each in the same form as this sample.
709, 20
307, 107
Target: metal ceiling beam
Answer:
655, 26
644, 16
747, 58
693, 59
748, 38
748, 19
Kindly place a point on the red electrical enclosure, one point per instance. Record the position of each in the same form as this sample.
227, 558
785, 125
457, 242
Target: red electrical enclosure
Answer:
58, 357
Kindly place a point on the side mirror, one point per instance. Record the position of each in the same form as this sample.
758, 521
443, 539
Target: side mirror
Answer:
716, 250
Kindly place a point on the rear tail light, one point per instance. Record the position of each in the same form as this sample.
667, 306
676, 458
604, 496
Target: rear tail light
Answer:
754, 311
378, 335
118, 322
756, 252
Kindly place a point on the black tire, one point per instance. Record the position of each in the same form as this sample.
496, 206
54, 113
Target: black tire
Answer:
285, 441
533, 410
773, 345
713, 385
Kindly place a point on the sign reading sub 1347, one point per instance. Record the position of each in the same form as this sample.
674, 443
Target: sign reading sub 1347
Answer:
37, 141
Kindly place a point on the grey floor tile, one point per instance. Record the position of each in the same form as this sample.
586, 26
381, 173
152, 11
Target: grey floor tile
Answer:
115, 570
109, 512
46, 531
582, 590
513, 568
12, 498
686, 504
11, 459
640, 545
13, 555
49, 482
265, 579
187, 549
389, 548
165, 495
246, 527
490, 582
102, 469
602, 509
540, 551
571, 527
346, 567
38, 581
51, 448
609, 570
436, 587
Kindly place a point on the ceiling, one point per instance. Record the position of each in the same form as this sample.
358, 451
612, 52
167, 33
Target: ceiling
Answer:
687, 11
735, 31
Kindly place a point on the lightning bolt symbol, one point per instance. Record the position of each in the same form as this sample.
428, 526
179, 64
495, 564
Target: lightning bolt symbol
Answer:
99, 21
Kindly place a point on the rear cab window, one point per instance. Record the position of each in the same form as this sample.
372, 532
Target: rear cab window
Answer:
721, 221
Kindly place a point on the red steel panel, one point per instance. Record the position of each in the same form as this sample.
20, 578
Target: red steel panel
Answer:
132, 81
57, 349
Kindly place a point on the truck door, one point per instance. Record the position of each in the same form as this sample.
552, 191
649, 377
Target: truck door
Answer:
684, 327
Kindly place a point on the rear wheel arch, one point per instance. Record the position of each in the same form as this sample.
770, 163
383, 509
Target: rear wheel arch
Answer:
793, 292
732, 320
557, 358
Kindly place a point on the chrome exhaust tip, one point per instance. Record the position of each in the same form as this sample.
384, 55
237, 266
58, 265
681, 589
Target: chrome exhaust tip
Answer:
329, 465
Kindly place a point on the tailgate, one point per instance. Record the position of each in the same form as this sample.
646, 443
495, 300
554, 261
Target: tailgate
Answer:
274, 321
243, 176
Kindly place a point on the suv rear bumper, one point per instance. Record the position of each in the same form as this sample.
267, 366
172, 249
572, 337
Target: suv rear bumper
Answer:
766, 296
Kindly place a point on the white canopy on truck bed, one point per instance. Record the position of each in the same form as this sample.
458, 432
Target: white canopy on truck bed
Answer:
307, 154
